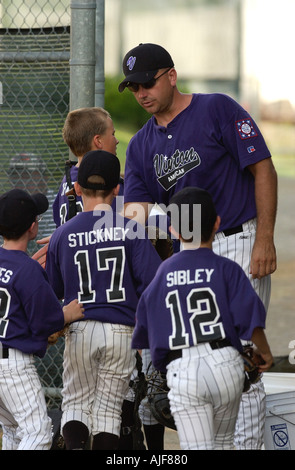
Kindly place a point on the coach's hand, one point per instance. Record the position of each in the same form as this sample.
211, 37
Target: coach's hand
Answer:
263, 259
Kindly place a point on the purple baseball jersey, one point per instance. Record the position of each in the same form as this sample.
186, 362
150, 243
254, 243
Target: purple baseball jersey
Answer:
29, 309
196, 297
60, 206
104, 260
209, 145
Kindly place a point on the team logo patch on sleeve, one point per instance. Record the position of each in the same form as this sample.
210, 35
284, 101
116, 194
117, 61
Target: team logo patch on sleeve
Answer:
246, 129
251, 149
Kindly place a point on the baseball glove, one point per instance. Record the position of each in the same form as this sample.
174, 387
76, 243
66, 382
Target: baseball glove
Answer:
157, 393
161, 241
52, 339
252, 374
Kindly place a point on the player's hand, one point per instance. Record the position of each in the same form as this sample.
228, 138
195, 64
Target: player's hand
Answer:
43, 241
41, 254
73, 311
263, 259
264, 361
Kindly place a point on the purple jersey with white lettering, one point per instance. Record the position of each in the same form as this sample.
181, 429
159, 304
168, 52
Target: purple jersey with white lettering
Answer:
104, 260
209, 144
60, 206
29, 309
196, 297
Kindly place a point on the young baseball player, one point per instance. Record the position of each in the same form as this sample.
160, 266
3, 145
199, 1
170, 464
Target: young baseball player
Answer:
29, 313
192, 316
107, 261
207, 141
85, 129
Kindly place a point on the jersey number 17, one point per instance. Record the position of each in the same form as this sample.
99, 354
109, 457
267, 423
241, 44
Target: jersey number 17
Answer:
106, 259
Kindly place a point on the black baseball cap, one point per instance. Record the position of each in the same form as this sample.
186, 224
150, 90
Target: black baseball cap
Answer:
19, 209
186, 198
142, 63
100, 163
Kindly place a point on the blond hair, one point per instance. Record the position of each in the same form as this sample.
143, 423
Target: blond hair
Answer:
81, 125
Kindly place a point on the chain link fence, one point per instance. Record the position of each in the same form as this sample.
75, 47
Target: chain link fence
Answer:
34, 102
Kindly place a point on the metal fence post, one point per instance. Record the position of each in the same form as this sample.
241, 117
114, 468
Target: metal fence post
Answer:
99, 52
82, 61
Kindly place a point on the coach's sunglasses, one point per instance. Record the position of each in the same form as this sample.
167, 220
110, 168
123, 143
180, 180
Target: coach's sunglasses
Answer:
134, 87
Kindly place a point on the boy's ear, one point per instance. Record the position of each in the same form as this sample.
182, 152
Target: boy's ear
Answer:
116, 190
217, 223
32, 226
77, 188
31, 231
96, 143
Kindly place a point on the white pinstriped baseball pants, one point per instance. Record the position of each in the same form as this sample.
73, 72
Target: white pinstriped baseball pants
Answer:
98, 363
205, 391
238, 247
23, 411
251, 419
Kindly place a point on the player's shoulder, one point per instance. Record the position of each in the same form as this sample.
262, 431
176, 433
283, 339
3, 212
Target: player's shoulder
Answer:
19, 267
170, 264
204, 257
62, 230
30, 267
36, 266
74, 170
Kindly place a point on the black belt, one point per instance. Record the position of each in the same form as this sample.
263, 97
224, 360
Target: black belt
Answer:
4, 352
217, 344
232, 231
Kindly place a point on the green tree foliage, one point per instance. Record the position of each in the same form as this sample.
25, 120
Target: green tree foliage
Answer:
123, 107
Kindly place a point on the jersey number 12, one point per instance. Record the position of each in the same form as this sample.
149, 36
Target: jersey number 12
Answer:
204, 318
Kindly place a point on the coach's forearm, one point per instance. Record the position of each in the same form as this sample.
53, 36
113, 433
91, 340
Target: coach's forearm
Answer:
263, 261
266, 195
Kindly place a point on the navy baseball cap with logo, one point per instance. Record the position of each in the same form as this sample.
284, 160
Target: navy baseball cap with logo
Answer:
142, 63
99, 163
185, 200
19, 209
